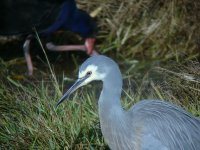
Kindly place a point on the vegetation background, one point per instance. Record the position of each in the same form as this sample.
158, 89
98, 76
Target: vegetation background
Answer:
155, 42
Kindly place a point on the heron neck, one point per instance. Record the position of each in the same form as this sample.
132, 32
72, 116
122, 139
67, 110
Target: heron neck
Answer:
109, 101
111, 114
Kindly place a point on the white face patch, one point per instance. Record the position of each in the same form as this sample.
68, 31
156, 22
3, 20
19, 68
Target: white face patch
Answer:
95, 75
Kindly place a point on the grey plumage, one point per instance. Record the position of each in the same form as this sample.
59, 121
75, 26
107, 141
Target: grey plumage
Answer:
148, 125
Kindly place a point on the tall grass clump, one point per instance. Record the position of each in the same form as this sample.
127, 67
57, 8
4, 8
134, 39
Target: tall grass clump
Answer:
30, 120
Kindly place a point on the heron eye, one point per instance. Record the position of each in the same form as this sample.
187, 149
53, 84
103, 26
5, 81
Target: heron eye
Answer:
89, 73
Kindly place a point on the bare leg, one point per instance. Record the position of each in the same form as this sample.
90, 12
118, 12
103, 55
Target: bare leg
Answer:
88, 47
52, 47
26, 48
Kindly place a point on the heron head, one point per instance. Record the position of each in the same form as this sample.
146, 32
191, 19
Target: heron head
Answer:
92, 69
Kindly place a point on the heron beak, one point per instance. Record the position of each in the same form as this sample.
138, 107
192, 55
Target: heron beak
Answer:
73, 88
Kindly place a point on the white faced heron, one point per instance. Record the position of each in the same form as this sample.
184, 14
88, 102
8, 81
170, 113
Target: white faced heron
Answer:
148, 125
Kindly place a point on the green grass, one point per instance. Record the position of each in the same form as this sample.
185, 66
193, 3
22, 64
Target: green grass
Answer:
30, 120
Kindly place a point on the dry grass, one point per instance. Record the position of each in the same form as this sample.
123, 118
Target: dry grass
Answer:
149, 29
